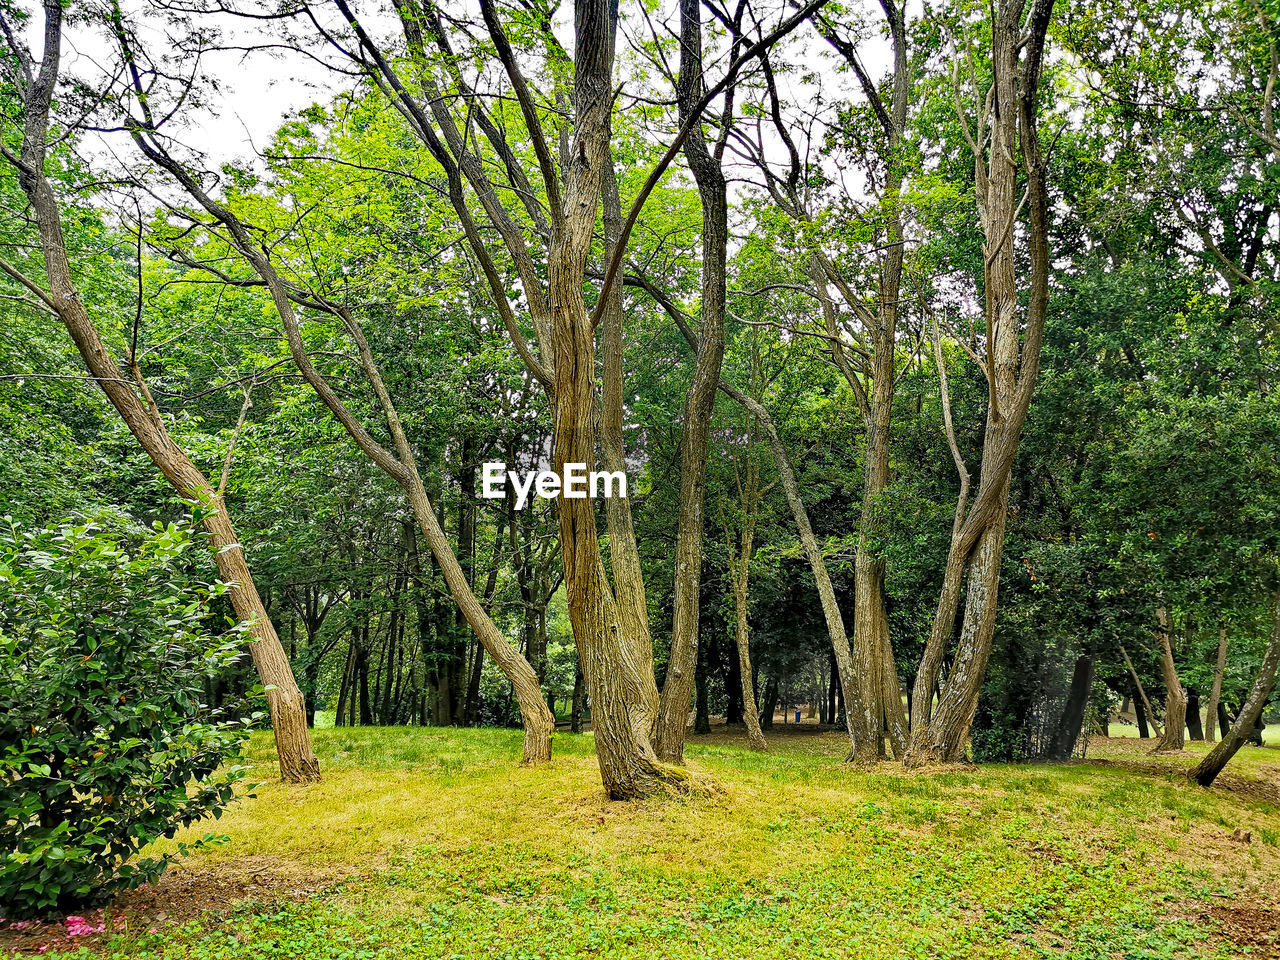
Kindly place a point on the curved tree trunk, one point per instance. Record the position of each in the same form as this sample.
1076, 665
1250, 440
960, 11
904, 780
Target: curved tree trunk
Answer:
1207, 770
539, 724
285, 701
1008, 160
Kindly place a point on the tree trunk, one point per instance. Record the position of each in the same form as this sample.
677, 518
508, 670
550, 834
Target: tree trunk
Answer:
1195, 730
1013, 344
612, 649
733, 689
673, 707
1142, 700
579, 700
1207, 770
1215, 695
770, 702
740, 577
539, 725
1072, 720
702, 710
1140, 716
285, 702
750, 716
344, 690
1175, 709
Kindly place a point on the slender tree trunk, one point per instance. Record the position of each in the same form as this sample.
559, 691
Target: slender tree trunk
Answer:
579, 700
1142, 697
702, 708
740, 577
1215, 695
539, 725
673, 707
1207, 770
1175, 709
344, 691
285, 701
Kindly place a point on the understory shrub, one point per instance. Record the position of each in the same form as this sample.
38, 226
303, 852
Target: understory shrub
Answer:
106, 642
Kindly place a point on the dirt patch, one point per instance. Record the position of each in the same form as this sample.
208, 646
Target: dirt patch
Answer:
1248, 925
180, 895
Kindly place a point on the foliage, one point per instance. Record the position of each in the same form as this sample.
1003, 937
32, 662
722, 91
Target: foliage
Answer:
806, 857
106, 641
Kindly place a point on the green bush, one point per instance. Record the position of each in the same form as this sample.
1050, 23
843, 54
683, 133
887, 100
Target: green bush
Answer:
105, 744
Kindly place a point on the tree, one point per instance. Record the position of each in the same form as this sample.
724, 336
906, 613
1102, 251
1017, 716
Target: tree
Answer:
1006, 128
131, 397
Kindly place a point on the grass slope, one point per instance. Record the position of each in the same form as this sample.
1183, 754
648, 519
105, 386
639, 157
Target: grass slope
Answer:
428, 843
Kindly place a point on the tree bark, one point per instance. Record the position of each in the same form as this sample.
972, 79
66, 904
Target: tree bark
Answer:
1175, 709
285, 702
1207, 770
619, 676
1215, 695
1013, 345
673, 706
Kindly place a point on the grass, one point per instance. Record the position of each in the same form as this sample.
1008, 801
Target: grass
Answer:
425, 843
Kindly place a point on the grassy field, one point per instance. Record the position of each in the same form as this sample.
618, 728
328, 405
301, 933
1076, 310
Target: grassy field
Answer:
426, 843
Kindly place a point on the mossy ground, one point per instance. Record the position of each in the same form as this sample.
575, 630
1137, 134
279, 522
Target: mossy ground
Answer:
428, 843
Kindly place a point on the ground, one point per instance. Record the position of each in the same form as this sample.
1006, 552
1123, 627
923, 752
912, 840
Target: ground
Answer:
429, 843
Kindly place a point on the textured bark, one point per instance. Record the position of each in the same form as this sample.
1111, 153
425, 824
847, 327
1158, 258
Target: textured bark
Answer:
1207, 770
882, 715
285, 701
1175, 707
1215, 695
618, 672
1012, 364
739, 577
673, 706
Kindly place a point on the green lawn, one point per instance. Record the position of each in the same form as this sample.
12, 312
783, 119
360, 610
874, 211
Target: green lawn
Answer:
426, 843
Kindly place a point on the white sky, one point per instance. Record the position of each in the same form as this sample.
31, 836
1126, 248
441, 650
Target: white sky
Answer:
257, 90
